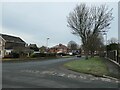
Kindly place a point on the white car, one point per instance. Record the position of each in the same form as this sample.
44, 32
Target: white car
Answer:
70, 53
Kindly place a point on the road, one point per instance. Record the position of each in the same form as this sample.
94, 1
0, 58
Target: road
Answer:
49, 74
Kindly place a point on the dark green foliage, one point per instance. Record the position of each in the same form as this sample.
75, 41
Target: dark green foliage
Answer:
12, 55
43, 55
15, 55
112, 46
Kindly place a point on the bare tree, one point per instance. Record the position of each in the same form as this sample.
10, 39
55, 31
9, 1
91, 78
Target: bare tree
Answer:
95, 44
72, 45
86, 22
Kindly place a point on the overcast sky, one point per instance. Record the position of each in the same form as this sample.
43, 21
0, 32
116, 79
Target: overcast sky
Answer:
36, 21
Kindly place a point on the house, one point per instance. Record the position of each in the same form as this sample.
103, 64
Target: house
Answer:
34, 48
2, 46
8, 43
43, 49
59, 49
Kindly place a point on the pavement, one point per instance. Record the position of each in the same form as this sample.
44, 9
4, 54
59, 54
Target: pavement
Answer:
50, 74
114, 69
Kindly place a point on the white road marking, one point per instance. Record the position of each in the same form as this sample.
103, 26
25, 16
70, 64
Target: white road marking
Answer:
68, 75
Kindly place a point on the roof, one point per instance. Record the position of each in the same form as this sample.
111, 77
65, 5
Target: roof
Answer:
60, 46
9, 38
33, 45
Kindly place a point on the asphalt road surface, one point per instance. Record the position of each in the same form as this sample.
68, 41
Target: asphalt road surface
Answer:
49, 74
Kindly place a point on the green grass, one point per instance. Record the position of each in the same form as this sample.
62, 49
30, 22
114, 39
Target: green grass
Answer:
94, 66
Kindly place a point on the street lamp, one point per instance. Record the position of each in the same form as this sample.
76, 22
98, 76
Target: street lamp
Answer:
105, 33
47, 44
106, 37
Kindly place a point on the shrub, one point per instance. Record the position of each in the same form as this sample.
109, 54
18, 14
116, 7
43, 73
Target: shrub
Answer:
8, 56
43, 55
12, 55
15, 55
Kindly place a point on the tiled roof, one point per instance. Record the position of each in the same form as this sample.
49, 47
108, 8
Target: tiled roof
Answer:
33, 45
60, 46
9, 38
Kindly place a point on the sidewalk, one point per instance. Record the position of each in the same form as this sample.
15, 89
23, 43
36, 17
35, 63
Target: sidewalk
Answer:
114, 70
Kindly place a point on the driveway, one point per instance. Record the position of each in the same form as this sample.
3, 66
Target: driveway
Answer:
49, 74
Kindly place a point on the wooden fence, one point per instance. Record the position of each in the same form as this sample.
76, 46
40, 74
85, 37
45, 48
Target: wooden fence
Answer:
114, 55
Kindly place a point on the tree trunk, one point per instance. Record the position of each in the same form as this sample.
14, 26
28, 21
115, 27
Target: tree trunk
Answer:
86, 55
92, 54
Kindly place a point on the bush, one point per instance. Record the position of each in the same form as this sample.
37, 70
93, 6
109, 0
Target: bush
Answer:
43, 55
36, 55
8, 56
15, 55
51, 54
12, 55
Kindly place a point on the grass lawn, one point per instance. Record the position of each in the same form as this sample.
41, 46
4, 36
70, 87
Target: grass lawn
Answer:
94, 66
35, 58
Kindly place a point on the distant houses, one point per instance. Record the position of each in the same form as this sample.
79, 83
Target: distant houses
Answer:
43, 49
15, 46
59, 49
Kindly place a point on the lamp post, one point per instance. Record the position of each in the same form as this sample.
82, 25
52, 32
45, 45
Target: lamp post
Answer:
106, 38
106, 43
105, 33
47, 44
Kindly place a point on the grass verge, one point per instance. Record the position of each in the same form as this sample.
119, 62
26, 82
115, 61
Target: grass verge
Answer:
94, 66
30, 59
